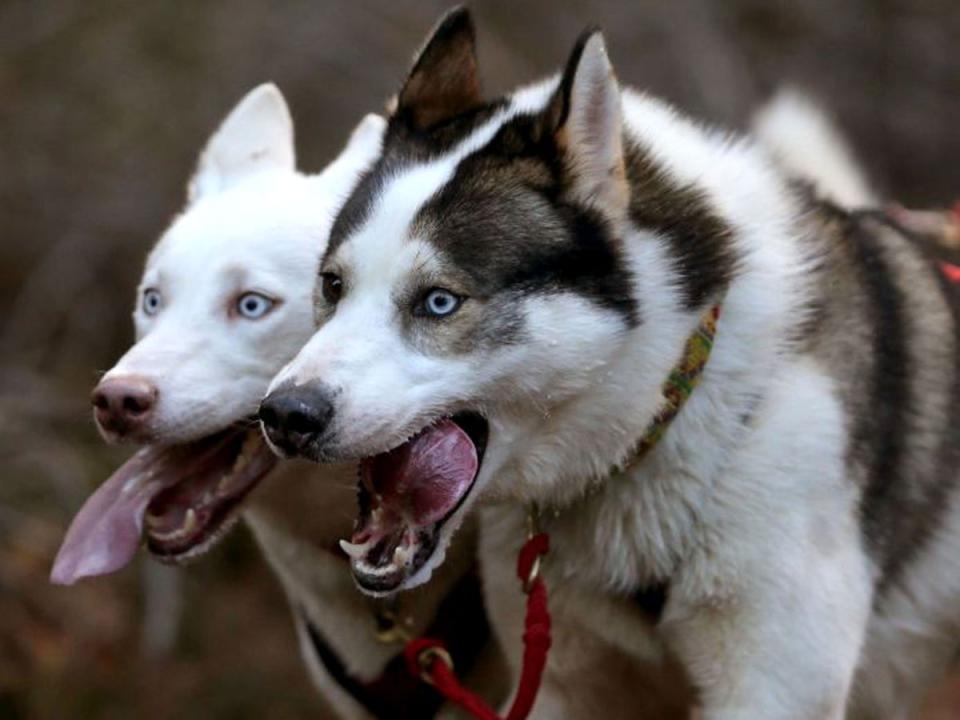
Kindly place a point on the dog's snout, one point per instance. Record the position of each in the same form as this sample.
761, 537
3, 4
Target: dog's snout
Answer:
124, 405
294, 418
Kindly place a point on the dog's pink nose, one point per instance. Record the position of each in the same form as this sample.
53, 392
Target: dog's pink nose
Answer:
122, 405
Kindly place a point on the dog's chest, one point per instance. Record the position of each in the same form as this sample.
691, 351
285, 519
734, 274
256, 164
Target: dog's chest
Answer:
618, 543
631, 535
597, 635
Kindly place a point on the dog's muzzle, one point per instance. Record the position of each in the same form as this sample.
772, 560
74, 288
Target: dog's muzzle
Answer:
294, 418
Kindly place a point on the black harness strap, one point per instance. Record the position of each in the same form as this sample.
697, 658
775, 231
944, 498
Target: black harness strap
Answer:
396, 695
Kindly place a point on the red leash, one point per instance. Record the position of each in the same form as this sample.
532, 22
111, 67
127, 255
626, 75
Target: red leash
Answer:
951, 271
429, 660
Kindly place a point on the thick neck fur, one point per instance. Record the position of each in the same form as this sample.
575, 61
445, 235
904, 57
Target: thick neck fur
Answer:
567, 459
762, 302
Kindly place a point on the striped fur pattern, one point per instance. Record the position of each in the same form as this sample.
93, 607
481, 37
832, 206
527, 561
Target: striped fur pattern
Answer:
802, 508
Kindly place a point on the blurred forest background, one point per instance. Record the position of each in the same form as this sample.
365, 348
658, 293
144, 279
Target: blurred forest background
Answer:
105, 104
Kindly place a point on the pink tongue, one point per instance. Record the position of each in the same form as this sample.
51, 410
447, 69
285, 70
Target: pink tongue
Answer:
425, 478
105, 534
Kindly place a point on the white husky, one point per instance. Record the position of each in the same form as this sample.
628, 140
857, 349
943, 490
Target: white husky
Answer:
224, 302
538, 281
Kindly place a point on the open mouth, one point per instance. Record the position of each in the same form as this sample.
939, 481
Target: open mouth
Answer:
407, 494
178, 499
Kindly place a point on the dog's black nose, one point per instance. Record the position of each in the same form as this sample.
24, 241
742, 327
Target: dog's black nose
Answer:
294, 417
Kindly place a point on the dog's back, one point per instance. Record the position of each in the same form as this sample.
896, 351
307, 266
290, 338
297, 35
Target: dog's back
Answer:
885, 319
886, 322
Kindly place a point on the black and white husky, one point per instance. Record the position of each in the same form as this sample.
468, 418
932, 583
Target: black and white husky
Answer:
503, 298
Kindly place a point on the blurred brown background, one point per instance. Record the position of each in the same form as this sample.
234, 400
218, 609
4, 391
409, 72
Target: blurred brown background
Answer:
103, 107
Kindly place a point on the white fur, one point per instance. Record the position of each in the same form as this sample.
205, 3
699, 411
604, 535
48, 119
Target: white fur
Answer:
264, 228
263, 232
253, 222
754, 522
594, 130
807, 143
256, 137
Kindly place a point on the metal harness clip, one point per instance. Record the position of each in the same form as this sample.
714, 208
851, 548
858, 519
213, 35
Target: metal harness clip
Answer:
390, 628
533, 529
425, 661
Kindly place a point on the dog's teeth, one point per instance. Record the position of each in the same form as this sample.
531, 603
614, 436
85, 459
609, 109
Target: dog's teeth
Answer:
243, 459
354, 550
224, 484
138, 481
189, 522
402, 555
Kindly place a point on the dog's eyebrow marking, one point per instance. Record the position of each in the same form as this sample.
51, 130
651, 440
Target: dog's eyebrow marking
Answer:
420, 263
402, 193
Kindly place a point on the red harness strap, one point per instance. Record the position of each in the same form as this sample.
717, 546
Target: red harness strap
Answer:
428, 660
951, 271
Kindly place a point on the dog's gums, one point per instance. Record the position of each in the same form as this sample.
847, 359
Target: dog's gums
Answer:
407, 494
186, 495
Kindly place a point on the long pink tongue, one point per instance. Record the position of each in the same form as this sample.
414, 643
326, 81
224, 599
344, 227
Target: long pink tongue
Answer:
426, 477
105, 534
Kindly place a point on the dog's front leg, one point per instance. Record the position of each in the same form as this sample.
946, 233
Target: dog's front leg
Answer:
769, 607
782, 645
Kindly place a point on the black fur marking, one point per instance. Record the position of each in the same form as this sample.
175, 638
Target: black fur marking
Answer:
358, 205
506, 217
502, 220
443, 82
407, 145
881, 433
700, 240
589, 265
460, 622
404, 147
889, 512
560, 106
902, 513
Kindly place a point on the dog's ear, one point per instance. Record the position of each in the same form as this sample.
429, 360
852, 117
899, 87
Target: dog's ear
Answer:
255, 137
367, 136
444, 81
362, 148
585, 116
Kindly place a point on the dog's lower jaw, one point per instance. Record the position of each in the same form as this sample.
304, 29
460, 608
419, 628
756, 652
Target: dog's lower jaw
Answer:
445, 534
419, 577
197, 551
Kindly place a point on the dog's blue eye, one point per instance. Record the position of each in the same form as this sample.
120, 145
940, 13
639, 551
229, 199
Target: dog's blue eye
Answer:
152, 300
253, 305
440, 303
